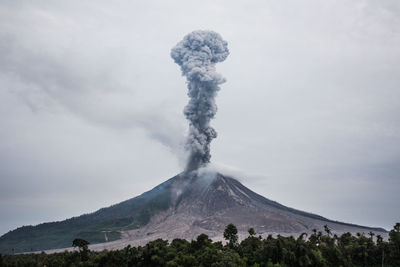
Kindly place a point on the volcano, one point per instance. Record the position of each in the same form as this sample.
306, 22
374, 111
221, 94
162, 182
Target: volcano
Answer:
184, 206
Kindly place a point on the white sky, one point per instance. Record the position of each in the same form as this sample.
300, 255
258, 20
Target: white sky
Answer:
91, 104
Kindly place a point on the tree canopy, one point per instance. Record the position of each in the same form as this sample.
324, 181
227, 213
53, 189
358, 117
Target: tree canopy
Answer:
316, 249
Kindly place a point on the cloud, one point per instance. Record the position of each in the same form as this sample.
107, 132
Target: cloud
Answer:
49, 76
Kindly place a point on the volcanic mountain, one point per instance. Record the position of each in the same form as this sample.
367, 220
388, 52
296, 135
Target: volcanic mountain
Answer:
184, 206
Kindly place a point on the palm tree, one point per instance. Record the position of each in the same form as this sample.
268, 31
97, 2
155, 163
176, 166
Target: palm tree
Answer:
327, 230
251, 232
371, 234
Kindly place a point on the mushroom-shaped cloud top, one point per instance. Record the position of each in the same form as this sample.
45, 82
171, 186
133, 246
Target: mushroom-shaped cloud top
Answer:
199, 48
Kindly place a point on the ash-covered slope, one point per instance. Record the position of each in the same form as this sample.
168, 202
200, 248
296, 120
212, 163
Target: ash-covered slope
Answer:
182, 207
207, 202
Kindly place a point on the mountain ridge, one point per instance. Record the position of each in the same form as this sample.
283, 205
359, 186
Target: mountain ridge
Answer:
197, 201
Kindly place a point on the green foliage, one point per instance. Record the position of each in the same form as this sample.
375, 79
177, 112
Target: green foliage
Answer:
252, 232
394, 245
82, 244
230, 234
318, 250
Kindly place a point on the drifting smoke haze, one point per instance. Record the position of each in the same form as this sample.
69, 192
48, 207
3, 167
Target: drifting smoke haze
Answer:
197, 55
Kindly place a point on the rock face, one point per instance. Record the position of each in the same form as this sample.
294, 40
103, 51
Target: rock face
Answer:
206, 203
185, 206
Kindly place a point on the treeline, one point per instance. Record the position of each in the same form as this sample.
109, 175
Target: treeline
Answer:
317, 249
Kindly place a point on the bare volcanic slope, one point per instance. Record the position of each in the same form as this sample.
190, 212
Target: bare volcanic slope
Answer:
182, 207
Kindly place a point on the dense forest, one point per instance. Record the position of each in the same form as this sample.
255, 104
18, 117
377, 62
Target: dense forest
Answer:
317, 249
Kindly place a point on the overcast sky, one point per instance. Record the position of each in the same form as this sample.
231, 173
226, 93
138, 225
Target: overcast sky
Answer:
91, 104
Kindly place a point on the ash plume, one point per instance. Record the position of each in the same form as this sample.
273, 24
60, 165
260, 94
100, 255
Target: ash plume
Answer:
197, 55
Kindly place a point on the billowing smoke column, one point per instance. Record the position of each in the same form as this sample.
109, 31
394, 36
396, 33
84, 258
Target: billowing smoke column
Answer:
197, 55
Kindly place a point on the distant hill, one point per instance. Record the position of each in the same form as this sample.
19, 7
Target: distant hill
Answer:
183, 206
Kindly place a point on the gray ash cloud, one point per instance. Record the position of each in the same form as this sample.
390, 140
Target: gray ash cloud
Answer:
197, 55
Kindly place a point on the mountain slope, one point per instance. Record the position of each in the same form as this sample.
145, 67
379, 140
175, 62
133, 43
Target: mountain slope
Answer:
183, 206
129, 214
